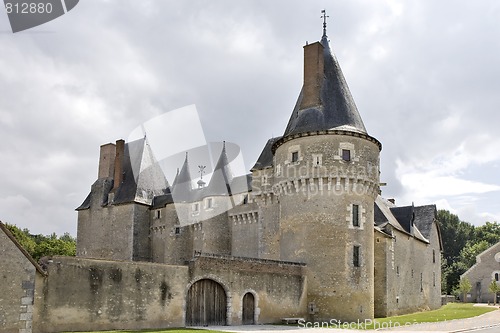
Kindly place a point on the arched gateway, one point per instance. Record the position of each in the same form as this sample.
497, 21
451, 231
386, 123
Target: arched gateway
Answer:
206, 304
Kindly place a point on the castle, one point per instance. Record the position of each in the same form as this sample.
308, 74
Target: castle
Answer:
312, 198
305, 235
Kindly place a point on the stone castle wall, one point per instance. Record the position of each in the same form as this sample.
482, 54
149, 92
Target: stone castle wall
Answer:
408, 274
91, 295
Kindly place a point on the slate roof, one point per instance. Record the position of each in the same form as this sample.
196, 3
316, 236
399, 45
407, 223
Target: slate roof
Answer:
266, 157
414, 221
404, 215
337, 109
424, 216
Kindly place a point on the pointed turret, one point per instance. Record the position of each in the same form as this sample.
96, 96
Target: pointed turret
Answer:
325, 101
181, 187
220, 183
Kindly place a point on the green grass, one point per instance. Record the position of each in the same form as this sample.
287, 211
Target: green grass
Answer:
450, 311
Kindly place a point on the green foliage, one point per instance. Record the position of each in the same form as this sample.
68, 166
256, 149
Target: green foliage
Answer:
494, 288
462, 242
39, 245
471, 250
464, 287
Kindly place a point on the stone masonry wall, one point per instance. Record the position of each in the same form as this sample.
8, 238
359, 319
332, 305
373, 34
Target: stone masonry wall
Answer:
17, 285
482, 273
279, 288
89, 295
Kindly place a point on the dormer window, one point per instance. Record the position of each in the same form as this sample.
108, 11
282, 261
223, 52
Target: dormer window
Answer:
209, 203
295, 157
346, 155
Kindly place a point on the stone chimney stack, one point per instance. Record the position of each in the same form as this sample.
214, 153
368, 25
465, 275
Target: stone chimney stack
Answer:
314, 65
107, 161
120, 152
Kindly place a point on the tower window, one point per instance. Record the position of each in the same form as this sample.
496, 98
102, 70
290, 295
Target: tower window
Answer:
421, 282
245, 199
317, 159
295, 156
158, 214
433, 256
177, 230
496, 277
346, 155
355, 256
355, 215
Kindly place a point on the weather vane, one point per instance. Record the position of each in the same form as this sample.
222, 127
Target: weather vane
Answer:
202, 170
324, 16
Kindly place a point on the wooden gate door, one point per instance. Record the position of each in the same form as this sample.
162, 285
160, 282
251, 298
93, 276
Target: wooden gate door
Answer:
248, 309
206, 304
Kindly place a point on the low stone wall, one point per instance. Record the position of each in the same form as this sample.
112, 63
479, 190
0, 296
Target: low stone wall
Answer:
85, 295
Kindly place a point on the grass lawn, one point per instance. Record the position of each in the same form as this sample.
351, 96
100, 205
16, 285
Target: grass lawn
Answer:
448, 312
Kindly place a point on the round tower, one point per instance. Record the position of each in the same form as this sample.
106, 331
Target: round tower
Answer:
326, 179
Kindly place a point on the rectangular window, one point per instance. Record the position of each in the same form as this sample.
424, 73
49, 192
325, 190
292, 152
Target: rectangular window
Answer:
346, 155
209, 203
158, 214
421, 282
245, 199
397, 270
295, 156
355, 215
433, 256
355, 256
196, 207
177, 230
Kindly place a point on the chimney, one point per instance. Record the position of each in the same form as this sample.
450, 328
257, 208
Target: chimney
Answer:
120, 151
313, 75
107, 161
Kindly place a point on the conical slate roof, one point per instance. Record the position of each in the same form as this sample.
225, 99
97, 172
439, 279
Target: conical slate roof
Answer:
335, 108
220, 183
181, 187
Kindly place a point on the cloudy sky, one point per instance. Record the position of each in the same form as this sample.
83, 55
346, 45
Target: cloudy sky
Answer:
425, 76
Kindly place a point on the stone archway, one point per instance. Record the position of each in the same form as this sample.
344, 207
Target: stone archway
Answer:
206, 304
248, 309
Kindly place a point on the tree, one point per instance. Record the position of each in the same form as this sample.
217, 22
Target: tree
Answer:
39, 245
23, 237
489, 232
471, 250
464, 287
495, 289
455, 234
